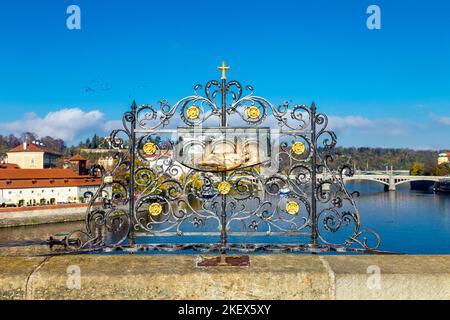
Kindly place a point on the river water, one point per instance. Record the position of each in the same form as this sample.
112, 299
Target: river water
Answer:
410, 222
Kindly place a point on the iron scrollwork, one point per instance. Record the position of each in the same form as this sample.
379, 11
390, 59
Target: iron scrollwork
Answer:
294, 201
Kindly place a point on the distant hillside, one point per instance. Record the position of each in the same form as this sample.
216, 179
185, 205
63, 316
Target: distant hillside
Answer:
8, 142
379, 158
362, 158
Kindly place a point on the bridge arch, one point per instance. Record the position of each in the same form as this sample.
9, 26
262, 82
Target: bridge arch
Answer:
380, 180
391, 180
399, 181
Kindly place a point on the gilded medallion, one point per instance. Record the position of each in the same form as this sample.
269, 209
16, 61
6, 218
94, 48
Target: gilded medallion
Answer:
149, 149
298, 148
193, 112
253, 112
224, 188
155, 209
292, 208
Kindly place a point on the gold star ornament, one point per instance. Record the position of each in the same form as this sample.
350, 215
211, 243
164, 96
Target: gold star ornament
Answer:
292, 208
224, 188
149, 149
193, 113
253, 112
155, 209
298, 148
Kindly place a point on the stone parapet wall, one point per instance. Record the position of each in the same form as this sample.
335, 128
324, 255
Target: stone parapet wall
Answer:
269, 277
15, 217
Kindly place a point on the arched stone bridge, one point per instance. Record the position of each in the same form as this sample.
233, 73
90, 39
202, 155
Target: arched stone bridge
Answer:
390, 180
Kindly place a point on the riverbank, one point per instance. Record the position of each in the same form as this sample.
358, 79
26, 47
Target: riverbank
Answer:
29, 216
177, 277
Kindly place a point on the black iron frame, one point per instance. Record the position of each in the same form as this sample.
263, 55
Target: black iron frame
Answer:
112, 217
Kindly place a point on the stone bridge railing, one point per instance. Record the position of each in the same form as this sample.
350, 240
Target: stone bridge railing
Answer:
176, 277
392, 181
387, 179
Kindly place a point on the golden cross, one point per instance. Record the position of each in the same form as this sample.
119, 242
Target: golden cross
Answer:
224, 69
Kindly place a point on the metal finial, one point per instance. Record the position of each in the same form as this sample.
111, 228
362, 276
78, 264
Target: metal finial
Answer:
224, 69
134, 105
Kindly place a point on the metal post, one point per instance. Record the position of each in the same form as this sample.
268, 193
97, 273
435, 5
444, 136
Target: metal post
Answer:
131, 234
313, 176
223, 234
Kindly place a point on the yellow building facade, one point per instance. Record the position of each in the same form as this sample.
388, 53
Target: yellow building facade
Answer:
32, 156
443, 158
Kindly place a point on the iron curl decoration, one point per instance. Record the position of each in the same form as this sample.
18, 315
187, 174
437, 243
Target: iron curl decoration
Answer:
107, 222
296, 201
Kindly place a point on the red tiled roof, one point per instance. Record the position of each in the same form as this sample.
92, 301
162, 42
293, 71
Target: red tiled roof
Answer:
44, 178
9, 166
38, 174
31, 147
77, 158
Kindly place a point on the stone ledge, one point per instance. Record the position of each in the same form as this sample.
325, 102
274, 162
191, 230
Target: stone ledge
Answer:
268, 277
14, 275
402, 277
42, 215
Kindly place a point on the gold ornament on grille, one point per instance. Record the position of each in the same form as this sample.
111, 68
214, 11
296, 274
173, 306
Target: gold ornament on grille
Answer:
224, 188
193, 112
155, 209
253, 112
149, 149
292, 208
298, 148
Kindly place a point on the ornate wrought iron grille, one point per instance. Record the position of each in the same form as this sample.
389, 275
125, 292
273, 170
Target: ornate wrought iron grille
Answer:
269, 184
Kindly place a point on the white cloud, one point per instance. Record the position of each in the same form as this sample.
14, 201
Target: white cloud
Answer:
358, 124
68, 124
112, 125
440, 119
345, 122
74, 124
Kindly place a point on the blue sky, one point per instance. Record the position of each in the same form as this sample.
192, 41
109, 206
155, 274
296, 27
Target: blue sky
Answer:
384, 88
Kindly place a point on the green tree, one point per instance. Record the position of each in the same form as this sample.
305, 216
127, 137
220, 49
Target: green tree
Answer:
94, 142
417, 169
441, 170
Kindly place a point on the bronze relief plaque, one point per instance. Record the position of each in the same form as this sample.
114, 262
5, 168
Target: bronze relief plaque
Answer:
222, 149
